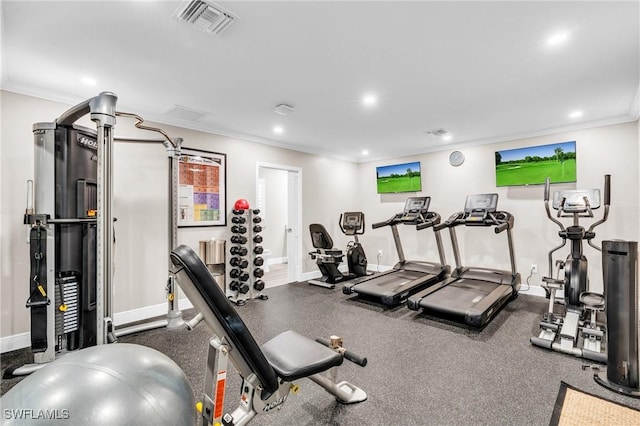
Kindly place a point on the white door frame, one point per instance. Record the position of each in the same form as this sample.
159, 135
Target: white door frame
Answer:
294, 201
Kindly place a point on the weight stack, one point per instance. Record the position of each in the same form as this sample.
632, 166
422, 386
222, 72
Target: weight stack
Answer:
620, 274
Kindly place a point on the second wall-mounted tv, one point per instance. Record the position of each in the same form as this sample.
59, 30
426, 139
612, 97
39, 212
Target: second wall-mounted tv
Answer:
403, 177
532, 165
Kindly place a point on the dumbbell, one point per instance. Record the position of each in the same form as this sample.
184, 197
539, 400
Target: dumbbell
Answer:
257, 228
258, 249
238, 219
239, 262
257, 219
258, 261
257, 239
240, 251
234, 285
237, 212
258, 272
256, 211
238, 229
238, 239
259, 285
235, 273
244, 288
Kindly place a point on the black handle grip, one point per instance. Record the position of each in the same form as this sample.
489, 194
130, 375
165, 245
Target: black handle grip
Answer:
356, 359
607, 190
547, 185
440, 226
501, 227
423, 225
379, 224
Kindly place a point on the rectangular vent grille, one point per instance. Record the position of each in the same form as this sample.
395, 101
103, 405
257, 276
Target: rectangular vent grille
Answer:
204, 16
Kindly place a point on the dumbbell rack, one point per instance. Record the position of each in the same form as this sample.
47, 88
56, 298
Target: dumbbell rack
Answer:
245, 272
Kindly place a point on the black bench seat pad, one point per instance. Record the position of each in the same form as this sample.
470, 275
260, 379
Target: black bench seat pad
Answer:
294, 356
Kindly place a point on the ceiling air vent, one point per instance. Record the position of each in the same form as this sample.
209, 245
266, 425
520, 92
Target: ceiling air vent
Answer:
205, 16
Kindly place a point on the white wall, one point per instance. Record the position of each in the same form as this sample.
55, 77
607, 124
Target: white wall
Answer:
140, 202
610, 149
275, 214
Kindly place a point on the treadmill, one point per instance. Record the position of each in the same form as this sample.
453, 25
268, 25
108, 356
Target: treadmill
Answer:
472, 295
406, 277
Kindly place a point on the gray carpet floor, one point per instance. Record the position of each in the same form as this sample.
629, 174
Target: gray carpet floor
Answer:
421, 371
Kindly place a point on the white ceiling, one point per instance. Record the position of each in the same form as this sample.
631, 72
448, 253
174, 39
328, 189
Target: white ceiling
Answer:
481, 70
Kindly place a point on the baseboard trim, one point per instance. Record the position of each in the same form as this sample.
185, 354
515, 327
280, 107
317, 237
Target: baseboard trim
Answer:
23, 340
15, 342
534, 290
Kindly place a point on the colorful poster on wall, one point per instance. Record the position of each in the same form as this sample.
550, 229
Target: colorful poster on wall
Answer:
201, 188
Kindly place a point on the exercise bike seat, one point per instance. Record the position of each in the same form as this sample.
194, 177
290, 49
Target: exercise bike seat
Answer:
320, 238
294, 356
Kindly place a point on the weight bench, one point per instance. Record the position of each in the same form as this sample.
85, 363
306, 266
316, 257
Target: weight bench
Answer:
268, 370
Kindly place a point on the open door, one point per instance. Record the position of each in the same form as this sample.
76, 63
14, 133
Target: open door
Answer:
270, 181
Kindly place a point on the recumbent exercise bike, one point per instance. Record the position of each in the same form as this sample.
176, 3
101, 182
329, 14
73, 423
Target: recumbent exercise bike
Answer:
329, 258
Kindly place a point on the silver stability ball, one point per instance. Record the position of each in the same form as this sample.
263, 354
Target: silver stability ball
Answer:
116, 384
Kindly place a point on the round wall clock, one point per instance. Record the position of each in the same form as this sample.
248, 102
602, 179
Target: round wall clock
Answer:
456, 158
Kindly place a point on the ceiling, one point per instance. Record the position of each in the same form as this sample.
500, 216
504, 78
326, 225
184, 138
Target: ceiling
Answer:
483, 71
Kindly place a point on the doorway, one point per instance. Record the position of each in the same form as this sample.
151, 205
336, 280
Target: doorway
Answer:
279, 198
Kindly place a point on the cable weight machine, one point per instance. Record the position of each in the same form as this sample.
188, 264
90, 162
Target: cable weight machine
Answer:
71, 234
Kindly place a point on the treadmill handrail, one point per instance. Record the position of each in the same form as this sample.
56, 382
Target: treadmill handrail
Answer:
431, 220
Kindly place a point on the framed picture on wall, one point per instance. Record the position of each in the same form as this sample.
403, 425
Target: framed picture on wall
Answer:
202, 188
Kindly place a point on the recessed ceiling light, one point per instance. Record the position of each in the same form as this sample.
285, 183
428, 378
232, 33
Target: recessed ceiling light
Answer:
575, 114
369, 99
88, 81
557, 39
447, 137
278, 129
365, 152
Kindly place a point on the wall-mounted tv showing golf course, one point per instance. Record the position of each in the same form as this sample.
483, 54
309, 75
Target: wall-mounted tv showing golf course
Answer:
532, 165
403, 177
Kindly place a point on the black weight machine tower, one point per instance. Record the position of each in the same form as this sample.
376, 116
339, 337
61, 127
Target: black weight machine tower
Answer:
71, 234
328, 258
576, 331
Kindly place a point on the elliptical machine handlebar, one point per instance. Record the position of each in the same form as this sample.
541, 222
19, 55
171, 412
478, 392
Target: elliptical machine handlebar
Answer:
547, 187
605, 216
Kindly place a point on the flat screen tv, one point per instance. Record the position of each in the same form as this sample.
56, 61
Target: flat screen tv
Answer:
403, 177
532, 165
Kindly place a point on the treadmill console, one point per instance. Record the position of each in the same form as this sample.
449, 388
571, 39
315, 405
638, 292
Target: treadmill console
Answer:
415, 210
478, 206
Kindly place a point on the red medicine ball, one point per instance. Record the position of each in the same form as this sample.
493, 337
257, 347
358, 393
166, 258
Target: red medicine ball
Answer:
241, 204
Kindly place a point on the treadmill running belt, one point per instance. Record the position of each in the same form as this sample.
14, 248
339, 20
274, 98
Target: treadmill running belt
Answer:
461, 294
389, 284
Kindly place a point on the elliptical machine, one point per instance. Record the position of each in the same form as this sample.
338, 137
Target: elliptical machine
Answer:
329, 258
576, 332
